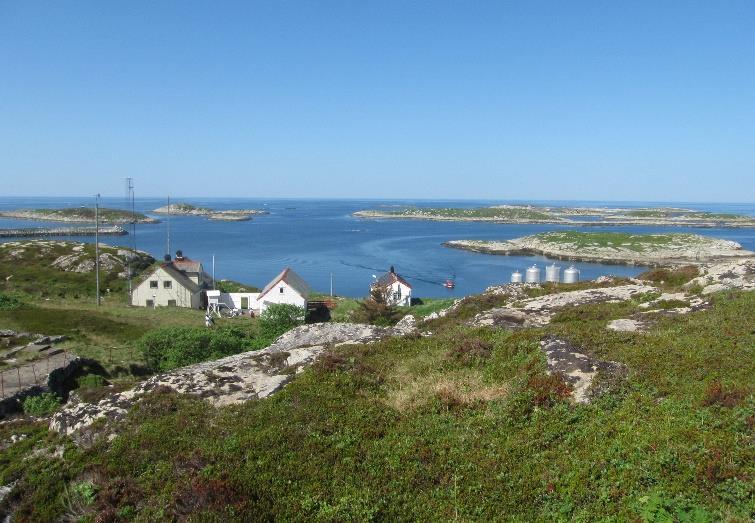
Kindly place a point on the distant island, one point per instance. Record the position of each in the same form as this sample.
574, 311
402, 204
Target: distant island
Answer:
612, 247
523, 214
231, 215
79, 215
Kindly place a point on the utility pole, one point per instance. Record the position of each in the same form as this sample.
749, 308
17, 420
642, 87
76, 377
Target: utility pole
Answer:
213, 272
97, 244
331, 284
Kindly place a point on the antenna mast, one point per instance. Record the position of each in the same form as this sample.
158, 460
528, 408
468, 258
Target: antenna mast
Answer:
168, 224
130, 201
97, 245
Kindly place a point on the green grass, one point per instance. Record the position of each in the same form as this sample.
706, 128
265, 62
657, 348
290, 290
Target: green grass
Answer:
503, 213
634, 242
463, 425
398, 430
30, 272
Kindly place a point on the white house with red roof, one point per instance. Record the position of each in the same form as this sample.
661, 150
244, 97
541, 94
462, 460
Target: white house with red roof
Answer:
397, 290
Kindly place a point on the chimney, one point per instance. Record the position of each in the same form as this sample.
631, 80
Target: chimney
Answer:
166, 257
393, 271
179, 255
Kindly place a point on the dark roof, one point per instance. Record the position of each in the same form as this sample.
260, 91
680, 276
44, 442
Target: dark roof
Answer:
181, 277
291, 278
389, 278
186, 265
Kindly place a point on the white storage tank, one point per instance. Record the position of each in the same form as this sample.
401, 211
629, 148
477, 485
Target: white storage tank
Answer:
571, 275
533, 275
516, 277
553, 273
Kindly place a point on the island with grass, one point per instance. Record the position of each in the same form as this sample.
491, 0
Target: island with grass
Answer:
229, 215
79, 215
612, 247
524, 214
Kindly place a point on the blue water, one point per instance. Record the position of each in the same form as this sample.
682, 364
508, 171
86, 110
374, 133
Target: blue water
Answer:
318, 238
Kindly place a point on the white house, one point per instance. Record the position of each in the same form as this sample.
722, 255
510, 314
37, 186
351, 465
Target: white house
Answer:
397, 290
287, 287
177, 283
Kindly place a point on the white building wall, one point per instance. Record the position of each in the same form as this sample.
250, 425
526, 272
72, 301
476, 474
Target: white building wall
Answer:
288, 295
143, 292
399, 294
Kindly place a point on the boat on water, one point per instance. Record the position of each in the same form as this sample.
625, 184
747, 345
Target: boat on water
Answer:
449, 283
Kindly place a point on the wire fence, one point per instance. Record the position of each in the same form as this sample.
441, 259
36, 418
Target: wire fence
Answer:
33, 373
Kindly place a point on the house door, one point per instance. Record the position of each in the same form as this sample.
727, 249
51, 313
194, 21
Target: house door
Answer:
244, 302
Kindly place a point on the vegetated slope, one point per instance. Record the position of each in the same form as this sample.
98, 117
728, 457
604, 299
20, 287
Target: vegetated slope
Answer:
64, 269
464, 424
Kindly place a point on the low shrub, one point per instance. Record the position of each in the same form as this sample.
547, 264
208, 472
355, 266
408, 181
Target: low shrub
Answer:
548, 389
278, 319
40, 405
9, 303
90, 381
671, 276
377, 311
716, 394
469, 350
172, 347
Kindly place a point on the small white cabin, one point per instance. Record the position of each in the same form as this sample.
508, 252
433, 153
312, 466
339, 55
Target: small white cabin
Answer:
397, 290
288, 287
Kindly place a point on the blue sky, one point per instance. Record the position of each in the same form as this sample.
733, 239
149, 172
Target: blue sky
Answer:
510, 100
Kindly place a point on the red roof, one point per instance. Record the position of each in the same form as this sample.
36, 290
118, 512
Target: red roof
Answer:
389, 278
187, 265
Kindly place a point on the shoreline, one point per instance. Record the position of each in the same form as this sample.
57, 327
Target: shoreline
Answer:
698, 250
607, 218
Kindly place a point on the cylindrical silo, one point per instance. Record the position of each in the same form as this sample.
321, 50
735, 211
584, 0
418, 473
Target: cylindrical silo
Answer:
516, 277
553, 273
571, 275
533, 275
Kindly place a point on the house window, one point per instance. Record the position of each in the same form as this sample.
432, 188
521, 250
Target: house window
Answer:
150, 303
171, 303
153, 284
281, 290
167, 284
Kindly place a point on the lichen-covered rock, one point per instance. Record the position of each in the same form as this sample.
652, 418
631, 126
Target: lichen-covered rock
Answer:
577, 368
715, 277
626, 325
233, 379
536, 312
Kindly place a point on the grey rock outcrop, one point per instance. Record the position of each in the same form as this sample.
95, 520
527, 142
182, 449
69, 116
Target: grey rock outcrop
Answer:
535, 312
234, 379
578, 369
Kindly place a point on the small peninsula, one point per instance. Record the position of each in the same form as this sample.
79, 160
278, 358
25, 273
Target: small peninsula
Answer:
612, 247
524, 214
79, 215
230, 215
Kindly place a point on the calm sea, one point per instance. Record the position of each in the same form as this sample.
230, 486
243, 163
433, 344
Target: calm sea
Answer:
320, 238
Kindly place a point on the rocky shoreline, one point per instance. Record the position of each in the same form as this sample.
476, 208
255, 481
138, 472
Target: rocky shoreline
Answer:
646, 251
230, 215
530, 214
111, 216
